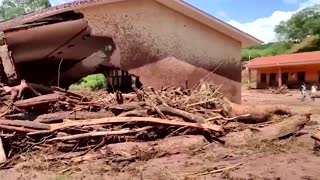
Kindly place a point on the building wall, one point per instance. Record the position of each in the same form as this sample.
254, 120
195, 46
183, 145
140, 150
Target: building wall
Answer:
164, 47
311, 75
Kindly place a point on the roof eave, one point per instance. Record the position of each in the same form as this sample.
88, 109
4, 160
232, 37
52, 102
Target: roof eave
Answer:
283, 65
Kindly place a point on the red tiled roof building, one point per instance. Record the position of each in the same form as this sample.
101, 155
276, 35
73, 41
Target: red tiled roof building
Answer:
287, 69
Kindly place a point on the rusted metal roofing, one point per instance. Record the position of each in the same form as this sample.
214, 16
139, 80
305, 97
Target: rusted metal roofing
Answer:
286, 60
177, 5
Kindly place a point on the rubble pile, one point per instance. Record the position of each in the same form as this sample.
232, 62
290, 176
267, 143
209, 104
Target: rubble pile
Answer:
281, 90
58, 122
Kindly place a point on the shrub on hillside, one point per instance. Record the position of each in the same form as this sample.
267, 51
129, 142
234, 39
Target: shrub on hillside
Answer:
270, 49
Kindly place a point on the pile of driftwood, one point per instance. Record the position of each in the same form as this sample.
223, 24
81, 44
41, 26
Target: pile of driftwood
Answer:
56, 121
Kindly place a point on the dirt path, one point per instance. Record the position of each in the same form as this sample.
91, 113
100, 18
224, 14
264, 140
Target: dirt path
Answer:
190, 156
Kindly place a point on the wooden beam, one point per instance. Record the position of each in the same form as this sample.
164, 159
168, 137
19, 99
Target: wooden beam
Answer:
39, 100
8, 64
2, 39
3, 157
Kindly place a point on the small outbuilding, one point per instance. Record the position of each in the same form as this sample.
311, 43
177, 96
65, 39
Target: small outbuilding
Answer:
288, 69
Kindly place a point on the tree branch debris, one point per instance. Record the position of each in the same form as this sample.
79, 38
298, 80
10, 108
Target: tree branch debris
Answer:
79, 120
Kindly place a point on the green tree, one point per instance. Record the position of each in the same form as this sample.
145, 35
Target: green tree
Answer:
13, 8
301, 25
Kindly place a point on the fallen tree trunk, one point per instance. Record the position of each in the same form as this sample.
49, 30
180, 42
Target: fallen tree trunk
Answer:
59, 116
256, 114
136, 113
316, 136
40, 100
177, 112
269, 133
67, 124
26, 124
21, 116
101, 133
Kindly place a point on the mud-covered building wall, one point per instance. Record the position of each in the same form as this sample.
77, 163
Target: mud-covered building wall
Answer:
164, 47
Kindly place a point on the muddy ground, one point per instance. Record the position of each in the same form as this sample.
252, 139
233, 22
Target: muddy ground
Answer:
189, 157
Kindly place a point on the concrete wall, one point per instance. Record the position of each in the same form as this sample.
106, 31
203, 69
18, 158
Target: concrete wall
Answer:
311, 75
164, 47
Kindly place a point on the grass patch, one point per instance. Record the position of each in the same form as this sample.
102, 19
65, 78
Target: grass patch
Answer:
92, 82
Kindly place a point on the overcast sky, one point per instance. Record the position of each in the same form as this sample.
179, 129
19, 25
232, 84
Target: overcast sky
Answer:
256, 17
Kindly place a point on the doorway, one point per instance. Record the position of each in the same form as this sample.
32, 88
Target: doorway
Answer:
285, 78
301, 76
263, 78
273, 79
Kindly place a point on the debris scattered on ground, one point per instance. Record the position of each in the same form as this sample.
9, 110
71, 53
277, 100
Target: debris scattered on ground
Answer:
281, 90
74, 124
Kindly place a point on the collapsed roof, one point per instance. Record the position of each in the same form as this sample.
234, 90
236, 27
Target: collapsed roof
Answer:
61, 33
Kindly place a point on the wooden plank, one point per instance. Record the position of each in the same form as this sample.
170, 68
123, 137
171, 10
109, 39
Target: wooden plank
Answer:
8, 64
39, 100
49, 118
111, 120
3, 157
27, 124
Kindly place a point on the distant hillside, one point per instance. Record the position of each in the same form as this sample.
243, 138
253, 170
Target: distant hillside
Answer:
269, 49
311, 43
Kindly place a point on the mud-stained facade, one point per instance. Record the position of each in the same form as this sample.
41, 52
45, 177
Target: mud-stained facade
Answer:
163, 42
147, 33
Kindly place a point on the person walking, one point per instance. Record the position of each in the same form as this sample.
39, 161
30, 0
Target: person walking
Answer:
313, 92
303, 90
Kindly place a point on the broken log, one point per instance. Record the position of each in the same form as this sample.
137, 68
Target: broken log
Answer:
110, 120
125, 96
256, 114
3, 157
269, 133
40, 100
59, 116
21, 116
53, 89
316, 147
177, 112
26, 124
17, 129
101, 133
137, 113
316, 136
118, 109
8, 64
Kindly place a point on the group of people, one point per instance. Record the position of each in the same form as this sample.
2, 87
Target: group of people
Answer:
313, 92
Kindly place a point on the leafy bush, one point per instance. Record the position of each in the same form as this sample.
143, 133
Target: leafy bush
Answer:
91, 82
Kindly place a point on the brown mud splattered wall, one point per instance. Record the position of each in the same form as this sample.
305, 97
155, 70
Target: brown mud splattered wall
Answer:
165, 47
